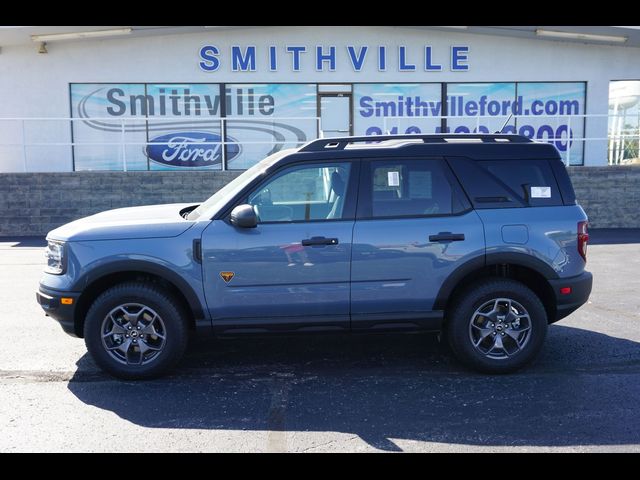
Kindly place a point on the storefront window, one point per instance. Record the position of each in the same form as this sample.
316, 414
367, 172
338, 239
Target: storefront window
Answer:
146, 126
480, 107
187, 133
262, 119
553, 112
233, 126
391, 108
544, 111
100, 111
624, 122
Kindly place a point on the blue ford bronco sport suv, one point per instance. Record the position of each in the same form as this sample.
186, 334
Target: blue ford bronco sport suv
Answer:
476, 236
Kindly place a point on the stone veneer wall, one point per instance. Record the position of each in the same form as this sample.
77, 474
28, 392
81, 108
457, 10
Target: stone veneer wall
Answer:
34, 203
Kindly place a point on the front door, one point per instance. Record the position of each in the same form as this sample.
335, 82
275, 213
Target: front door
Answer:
414, 227
335, 115
293, 270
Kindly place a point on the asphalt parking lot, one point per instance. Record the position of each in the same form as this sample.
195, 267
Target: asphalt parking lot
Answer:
328, 393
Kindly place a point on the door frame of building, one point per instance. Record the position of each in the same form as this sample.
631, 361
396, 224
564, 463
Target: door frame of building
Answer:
319, 97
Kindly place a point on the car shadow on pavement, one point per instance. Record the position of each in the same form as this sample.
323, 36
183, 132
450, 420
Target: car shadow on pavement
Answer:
583, 390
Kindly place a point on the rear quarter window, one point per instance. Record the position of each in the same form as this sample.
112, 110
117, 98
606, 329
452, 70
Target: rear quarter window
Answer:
532, 180
507, 183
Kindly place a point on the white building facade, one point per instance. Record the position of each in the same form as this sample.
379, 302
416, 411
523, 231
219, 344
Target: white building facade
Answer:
211, 98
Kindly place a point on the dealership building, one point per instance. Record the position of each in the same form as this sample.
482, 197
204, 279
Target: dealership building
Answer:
126, 115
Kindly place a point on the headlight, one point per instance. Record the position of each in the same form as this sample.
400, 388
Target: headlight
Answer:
55, 257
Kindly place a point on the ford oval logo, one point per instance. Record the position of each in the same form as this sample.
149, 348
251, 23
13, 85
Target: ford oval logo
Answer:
190, 149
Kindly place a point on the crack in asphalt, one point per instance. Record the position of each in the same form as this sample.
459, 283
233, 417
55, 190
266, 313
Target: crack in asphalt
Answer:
276, 439
45, 376
283, 381
330, 442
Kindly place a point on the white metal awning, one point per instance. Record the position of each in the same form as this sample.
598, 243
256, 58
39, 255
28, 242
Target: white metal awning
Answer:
628, 36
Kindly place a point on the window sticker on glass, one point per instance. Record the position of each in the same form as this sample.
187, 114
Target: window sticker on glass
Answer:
393, 179
540, 192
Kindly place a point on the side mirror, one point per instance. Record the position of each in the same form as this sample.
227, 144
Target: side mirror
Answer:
244, 216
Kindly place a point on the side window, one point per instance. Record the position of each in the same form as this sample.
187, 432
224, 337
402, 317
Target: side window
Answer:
532, 180
416, 187
303, 193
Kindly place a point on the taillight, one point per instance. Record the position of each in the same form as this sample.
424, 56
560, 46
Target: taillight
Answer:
583, 238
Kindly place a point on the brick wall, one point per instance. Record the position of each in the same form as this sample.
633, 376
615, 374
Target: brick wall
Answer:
34, 203
609, 195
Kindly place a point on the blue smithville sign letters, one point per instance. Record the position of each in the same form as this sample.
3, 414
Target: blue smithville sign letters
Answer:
324, 58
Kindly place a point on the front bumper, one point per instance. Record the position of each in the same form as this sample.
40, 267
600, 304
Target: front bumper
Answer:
50, 301
580, 290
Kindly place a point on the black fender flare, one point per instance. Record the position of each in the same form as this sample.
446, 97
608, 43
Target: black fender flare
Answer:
143, 266
476, 263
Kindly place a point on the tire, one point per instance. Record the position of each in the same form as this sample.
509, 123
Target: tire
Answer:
516, 346
146, 312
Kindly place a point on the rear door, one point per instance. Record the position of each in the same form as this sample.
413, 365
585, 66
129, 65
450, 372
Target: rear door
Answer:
414, 227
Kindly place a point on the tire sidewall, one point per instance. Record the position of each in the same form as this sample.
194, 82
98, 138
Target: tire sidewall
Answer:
458, 328
163, 305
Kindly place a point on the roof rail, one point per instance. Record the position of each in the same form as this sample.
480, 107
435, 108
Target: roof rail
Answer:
340, 143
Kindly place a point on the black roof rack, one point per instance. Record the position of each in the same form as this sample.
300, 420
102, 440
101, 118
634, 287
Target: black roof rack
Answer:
340, 143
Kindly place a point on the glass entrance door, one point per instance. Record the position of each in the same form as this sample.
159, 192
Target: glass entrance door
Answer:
335, 115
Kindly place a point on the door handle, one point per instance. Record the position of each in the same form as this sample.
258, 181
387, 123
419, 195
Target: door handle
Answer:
446, 237
319, 241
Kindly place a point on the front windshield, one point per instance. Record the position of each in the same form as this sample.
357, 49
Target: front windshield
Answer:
210, 207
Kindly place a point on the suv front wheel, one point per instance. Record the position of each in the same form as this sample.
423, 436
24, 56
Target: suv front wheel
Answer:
496, 325
135, 330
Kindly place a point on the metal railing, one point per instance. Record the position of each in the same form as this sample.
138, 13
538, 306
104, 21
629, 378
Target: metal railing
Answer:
27, 142
119, 131
616, 137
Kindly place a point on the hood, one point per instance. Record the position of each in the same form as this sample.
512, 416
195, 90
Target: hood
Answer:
152, 221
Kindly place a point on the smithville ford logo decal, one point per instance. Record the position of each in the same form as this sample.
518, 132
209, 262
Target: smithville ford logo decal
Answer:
190, 149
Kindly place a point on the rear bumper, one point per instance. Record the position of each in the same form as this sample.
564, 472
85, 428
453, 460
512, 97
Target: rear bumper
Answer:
580, 290
50, 301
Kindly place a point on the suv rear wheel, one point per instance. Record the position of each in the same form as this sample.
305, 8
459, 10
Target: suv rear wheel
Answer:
135, 330
496, 325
